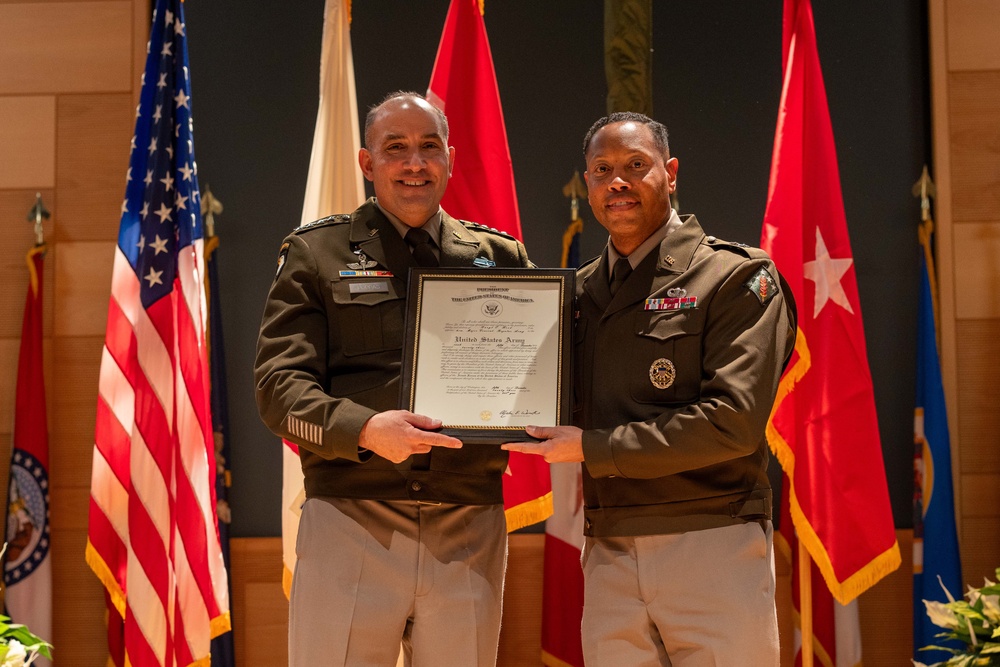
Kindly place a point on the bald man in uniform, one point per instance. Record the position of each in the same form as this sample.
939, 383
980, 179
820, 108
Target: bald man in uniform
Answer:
402, 535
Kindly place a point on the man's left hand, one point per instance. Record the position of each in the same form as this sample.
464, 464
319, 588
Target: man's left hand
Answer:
559, 444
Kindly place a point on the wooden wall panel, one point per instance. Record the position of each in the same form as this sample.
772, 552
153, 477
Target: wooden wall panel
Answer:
19, 236
256, 575
980, 549
73, 409
28, 135
974, 105
521, 628
973, 34
66, 47
78, 615
979, 419
981, 497
977, 276
83, 287
92, 162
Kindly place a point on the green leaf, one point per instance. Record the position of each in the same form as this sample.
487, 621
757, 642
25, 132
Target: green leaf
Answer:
949, 649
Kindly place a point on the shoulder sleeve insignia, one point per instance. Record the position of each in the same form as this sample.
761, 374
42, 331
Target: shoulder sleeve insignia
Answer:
763, 285
282, 254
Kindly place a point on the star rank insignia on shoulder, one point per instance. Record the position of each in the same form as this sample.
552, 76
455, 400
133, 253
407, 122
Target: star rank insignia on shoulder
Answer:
322, 222
763, 285
484, 228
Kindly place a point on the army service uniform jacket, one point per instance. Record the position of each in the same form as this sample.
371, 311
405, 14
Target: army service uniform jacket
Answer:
675, 377
330, 350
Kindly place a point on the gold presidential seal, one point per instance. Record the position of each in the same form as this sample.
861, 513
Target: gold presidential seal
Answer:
486, 415
662, 373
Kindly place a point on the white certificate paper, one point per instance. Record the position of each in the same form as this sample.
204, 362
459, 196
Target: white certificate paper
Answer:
489, 351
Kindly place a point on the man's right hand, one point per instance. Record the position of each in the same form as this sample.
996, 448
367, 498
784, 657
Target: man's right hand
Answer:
397, 434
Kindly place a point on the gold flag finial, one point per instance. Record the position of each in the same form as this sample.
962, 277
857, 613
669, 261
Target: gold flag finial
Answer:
924, 188
209, 207
36, 215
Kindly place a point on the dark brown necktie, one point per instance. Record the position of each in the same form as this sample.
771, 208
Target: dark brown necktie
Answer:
423, 249
620, 273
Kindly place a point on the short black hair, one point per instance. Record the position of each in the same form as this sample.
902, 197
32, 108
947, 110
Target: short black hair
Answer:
659, 130
374, 110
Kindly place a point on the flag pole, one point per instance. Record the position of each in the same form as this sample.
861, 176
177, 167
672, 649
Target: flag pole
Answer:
805, 605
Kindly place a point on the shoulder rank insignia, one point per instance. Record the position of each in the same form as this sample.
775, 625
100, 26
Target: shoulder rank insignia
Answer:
328, 220
763, 285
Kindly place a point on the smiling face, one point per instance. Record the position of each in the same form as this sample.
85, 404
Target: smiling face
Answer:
629, 182
407, 159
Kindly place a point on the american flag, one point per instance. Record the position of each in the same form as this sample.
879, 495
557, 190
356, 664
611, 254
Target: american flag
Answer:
153, 539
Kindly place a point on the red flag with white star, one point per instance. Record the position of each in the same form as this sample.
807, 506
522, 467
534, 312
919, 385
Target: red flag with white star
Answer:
823, 428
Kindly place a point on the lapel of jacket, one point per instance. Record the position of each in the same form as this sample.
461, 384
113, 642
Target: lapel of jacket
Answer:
676, 254
596, 284
459, 246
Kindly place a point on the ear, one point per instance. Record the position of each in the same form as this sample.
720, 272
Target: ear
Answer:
451, 160
671, 166
365, 161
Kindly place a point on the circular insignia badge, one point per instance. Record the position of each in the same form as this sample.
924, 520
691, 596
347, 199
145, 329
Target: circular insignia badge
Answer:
27, 516
662, 373
486, 415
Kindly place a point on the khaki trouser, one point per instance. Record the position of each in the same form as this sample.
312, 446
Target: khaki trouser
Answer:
371, 574
698, 599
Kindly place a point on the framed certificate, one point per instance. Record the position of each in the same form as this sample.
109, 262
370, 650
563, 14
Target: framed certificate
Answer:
487, 351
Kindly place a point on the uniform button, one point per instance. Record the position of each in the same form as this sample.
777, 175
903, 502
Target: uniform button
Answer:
587, 524
416, 486
710, 239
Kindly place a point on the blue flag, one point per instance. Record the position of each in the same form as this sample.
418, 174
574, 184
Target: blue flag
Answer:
935, 542
223, 651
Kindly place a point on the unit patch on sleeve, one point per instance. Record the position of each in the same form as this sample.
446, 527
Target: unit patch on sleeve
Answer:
763, 285
282, 254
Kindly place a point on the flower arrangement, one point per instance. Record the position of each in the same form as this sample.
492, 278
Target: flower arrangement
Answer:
974, 620
18, 647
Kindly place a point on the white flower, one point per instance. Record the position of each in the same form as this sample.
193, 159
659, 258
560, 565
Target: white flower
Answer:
940, 615
991, 603
15, 654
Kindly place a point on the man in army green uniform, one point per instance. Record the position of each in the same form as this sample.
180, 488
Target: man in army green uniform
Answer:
680, 341
402, 535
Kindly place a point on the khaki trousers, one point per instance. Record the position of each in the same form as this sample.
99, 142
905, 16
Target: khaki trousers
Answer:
371, 574
698, 599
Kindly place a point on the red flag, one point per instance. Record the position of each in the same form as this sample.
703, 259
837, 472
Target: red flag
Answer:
464, 86
27, 565
153, 537
823, 426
